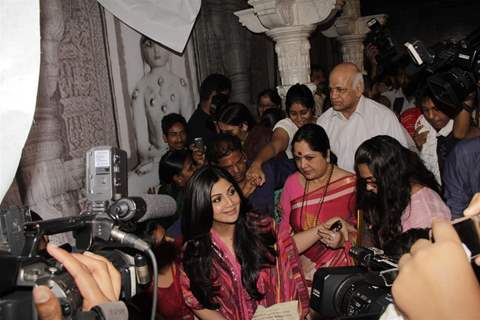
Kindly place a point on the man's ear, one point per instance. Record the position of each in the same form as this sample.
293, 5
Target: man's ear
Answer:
359, 88
211, 96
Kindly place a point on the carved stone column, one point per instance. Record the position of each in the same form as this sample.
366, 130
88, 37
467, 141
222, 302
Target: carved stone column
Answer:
42, 173
352, 48
293, 51
350, 29
289, 24
74, 109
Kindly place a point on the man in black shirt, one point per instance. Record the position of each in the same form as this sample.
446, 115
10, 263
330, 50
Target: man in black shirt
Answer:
214, 93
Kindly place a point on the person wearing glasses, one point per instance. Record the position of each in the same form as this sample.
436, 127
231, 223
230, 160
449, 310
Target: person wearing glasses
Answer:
395, 190
355, 118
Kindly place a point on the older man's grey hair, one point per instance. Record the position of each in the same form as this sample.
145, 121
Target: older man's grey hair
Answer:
358, 80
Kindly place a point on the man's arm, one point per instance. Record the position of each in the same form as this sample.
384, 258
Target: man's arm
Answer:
278, 144
262, 199
454, 178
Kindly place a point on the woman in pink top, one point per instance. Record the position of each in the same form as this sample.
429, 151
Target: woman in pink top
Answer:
234, 260
395, 189
316, 197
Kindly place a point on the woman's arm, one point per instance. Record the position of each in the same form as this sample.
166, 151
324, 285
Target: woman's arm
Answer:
306, 239
278, 144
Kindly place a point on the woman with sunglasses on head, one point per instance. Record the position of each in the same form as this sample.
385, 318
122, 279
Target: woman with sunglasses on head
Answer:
318, 203
233, 260
395, 189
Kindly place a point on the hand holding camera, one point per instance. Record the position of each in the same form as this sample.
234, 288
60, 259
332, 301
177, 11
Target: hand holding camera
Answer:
96, 278
436, 280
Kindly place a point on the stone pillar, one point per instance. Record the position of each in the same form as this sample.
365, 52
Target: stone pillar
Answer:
74, 110
352, 48
293, 51
289, 24
350, 29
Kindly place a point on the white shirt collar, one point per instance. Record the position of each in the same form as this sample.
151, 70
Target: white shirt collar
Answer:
360, 109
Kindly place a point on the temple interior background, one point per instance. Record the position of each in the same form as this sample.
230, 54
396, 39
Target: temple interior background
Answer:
90, 67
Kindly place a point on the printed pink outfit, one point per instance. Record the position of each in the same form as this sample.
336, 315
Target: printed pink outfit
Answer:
302, 212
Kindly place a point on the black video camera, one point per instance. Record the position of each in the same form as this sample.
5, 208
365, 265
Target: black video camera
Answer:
453, 68
359, 292
381, 38
24, 266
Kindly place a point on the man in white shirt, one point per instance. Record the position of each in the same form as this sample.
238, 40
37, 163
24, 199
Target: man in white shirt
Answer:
355, 118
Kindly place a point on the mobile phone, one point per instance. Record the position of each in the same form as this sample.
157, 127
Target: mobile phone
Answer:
198, 143
336, 226
468, 229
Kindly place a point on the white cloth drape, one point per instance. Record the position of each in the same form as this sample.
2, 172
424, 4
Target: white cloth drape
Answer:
19, 72
168, 22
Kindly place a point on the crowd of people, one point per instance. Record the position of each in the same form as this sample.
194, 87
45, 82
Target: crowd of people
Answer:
270, 197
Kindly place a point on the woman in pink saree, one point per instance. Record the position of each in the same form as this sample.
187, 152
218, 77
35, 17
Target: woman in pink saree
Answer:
234, 260
318, 203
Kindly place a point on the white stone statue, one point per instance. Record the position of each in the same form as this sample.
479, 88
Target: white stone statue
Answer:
157, 94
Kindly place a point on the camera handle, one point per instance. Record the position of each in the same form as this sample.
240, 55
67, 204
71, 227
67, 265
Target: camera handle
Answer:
34, 231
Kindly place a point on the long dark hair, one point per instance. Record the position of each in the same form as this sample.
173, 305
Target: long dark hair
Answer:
253, 248
171, 164
299, 93
395, 168
316, 137
271, 116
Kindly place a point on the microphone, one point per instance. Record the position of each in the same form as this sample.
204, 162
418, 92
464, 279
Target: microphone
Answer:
146, 207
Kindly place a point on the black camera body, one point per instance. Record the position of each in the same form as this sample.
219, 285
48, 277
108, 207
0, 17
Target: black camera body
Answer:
24, 266
359, 292
453, 69
25, 273
381, 38
348, 292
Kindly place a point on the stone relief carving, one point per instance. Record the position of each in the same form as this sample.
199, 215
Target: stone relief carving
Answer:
85, 91
74, 109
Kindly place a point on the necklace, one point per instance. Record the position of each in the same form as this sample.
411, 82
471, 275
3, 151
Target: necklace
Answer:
323, 195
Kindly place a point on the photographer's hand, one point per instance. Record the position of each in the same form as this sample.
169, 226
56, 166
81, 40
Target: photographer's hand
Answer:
47, 305
96, 278
436, 280
473, 209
